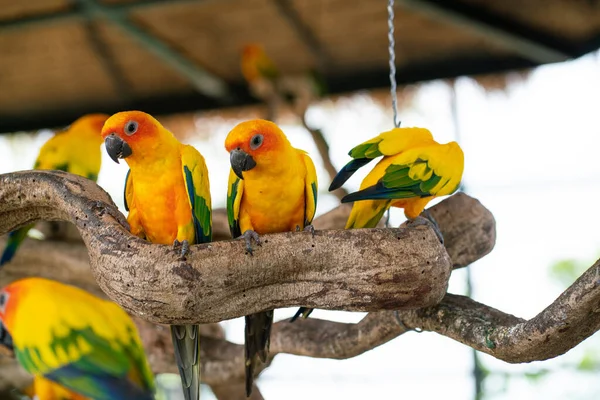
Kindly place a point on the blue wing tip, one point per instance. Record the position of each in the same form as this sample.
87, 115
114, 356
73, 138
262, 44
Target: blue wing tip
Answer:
371, 193
8, 254
347, 171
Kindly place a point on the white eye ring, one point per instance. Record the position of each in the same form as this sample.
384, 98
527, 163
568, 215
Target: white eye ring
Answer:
131, 127
256, 141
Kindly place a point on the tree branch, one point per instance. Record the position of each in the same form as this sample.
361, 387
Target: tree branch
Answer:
469, 233
222, 361
323, 149
356, 270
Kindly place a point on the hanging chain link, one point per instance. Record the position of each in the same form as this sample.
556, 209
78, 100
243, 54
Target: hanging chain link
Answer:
392, 60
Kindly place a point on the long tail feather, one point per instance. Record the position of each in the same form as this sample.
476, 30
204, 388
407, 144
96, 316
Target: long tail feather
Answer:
15, 238
186, 340
258, 337
347, 171
302, 311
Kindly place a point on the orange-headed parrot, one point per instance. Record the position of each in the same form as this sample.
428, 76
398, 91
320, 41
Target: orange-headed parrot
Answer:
272, 188
167, 195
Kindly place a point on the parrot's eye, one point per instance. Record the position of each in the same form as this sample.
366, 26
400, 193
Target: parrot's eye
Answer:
3, 301
256, 141
131, 127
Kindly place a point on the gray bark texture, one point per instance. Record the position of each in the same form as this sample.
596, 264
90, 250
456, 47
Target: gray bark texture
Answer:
399, 275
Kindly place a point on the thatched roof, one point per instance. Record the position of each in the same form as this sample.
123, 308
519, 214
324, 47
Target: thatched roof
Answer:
62, 58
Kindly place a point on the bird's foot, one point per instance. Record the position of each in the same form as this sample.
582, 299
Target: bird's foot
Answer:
303, 313
428, 220
310, 228
248, 236
185, 248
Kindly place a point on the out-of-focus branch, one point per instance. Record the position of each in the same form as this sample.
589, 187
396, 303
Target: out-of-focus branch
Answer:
323, 149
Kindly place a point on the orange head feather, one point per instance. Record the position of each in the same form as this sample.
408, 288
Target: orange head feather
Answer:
135, 136
9, 298
255, 143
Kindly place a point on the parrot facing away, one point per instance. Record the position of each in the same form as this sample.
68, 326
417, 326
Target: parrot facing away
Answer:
272, 188
83, 343
413, 171
75, 150
168, 198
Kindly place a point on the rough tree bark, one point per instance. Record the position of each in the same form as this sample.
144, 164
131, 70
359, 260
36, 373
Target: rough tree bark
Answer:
469, 232
357, 270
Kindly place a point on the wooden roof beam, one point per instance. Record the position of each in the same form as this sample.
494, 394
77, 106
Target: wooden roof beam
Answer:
201, 79
75, 15
529, 43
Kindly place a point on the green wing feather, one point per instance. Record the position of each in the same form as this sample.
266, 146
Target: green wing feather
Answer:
196, 182
428, 171
128, 190
98, 368
311, 189
235, 190
388, 143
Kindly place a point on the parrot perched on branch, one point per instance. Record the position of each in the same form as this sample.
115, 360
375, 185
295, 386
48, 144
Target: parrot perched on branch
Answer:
272, 188
414, 170
75, 150
78, 341
272, 87
168, 198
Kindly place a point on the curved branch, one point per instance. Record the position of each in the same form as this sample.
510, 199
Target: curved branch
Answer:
570, 319
222, 361
323, 149
357, 270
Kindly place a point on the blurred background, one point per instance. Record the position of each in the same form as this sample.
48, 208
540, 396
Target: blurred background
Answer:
516, 83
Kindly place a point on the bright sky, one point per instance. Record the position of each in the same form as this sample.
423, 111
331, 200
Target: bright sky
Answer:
531, 157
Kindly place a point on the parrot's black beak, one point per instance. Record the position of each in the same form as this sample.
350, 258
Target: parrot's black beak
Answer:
117, 147
5, 338
241, 161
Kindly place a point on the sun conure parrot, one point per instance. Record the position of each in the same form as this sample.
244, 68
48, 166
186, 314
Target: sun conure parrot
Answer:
167, 195
272, 188
413, 171
265, 80
86, 344
75, 150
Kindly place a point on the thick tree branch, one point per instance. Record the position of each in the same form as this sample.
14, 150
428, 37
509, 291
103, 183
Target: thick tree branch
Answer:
222, 361
357, 270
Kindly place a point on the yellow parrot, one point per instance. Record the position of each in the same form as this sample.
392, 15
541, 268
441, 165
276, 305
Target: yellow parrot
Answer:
168, 198
269, 85
76, 345
75, 150
272, 188
414, 170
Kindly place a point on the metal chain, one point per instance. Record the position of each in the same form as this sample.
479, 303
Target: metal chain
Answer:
392, 60
392, 52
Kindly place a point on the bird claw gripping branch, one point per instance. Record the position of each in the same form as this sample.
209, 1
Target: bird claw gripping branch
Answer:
248, 236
